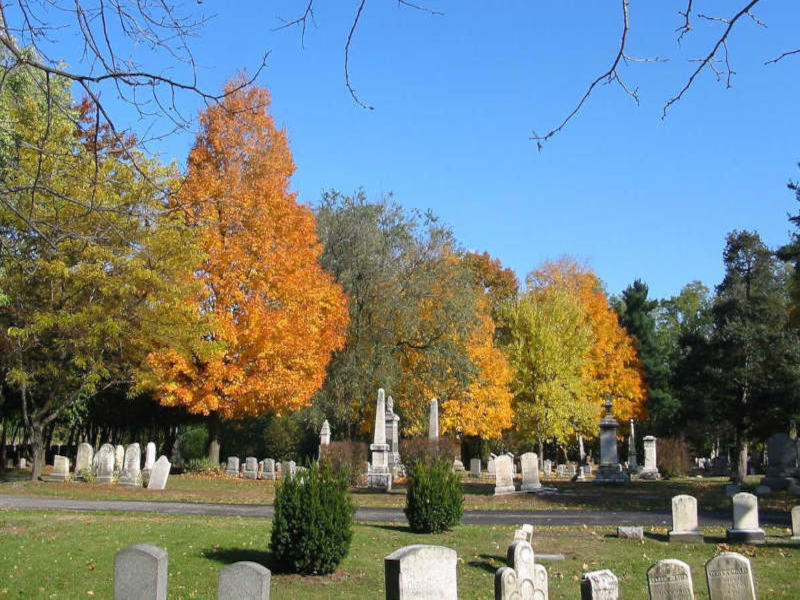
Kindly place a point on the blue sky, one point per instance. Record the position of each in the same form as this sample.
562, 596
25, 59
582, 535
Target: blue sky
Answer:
457, 96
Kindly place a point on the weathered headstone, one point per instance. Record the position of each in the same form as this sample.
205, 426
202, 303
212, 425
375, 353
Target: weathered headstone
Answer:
140, 573
599, 585
379, 476
729, 577
650, 469
490, 465
475, 467
522, 578
433, 420
633, 462
325, 434
393, 438
105, 464
530, 472
131, 475
233, 466
251, 467
504, 476
547, 467
60, 470
149, 456
745, 520
630, 532
524, 533
119, 458
670, 579
83, 462
159, 474
685, 526
268, 468
244, 580
421, 573
796, 523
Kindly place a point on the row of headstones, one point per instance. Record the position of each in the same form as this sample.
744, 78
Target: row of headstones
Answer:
112, 463
566, 470
504, 471
267, 469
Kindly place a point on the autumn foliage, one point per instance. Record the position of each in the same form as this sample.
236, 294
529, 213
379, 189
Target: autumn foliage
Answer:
276, 315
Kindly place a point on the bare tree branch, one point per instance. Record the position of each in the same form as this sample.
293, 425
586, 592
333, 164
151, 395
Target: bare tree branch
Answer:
347, 58
782, 56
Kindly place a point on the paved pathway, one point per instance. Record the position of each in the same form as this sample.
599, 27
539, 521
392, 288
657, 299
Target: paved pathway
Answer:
537, 517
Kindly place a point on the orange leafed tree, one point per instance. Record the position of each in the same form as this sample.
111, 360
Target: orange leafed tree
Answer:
612, 366
277, 316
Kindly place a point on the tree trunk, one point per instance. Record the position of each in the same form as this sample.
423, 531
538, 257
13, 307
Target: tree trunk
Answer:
541, 452
3, 452
741, 466
213, 437
37, 447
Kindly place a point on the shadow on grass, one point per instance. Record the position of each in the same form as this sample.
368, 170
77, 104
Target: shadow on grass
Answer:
487, 565
659, 537
231, 555
399, 528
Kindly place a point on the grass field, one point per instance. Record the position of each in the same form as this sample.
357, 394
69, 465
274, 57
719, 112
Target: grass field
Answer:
70, 555
641, 495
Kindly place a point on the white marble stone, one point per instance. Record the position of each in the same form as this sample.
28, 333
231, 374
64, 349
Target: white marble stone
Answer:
685, 526
421, 572
131, 475
523, 578
729, 577
105, 464
159, 474
745, 520
504, 476
530, 472
233, 466
244, 580
599, 585
433, 420
268, 469
670, 579
140, 573
60, 470
84, 460
149, 456
796, 523
475, 467
119, 457
251, 467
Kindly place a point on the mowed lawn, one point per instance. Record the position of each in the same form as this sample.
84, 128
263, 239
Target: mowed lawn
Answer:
56, 554
478, 494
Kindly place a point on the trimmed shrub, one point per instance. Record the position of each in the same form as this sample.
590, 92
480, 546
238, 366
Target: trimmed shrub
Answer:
348, 457
313, 523
434, 499
674, 457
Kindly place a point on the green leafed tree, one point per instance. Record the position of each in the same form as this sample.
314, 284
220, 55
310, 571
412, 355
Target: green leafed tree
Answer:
95, 265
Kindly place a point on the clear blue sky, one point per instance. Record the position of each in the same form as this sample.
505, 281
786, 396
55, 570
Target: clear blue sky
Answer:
457, 96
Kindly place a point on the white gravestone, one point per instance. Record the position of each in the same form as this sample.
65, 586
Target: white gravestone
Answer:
421, 573
796, 523
745, 520
60, 469
233, 466
131, 475
475, 467
490, 466
530, 472
250, 467
244, 580
325, 435
670, 579
433, 420
149, 456
650, 469
159, 474
119, 457
140, 573
685, 527
729, 577
105, 464
83, 462
599, 585
268, 469
547, 467
504, 476
524, 533
523, 578
379, 475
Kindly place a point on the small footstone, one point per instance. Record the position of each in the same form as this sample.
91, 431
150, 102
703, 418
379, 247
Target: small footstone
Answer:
630, 533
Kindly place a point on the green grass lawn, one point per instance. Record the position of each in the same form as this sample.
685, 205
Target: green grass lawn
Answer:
56, 554
640, 495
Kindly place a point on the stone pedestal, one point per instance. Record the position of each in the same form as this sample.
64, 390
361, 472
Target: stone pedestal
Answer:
650, 469
610, 471
746, 527
393, 438
379, 475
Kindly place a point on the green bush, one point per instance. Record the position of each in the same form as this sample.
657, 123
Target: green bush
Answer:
434, 499
204, 466
313, 522
194, 442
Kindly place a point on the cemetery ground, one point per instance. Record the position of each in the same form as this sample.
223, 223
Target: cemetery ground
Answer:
57, 554
478, 494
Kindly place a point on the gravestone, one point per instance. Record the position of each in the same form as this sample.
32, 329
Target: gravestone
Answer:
745, 520
650, 468
268, 469
599, 585
251, 467
421, 572
522, 578
140, 573
504, 476
433, 420
610, 471
685, 526
393, 438
670, 579
475, 467
630, 532
530, 472
379, 475
729, 577
119, 458
325, 434
781, 462
159, 474
572, 470
633, 462
513, 463
60, 469
233, 466
149, 456
490, 465
561, 471
244, 580
23, 463
83, 462
524, 533
547, 467
796, 523
105, 464
131, 475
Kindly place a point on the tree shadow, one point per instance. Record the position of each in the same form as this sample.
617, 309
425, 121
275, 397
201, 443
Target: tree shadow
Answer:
400, 528
487, 564
231, 555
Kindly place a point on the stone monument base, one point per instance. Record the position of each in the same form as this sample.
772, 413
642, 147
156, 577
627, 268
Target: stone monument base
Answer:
649, 475
504, 490
251, 475
530, 487
380, 480
779, 483
104, 480
686, 537
746, 536
611, 474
